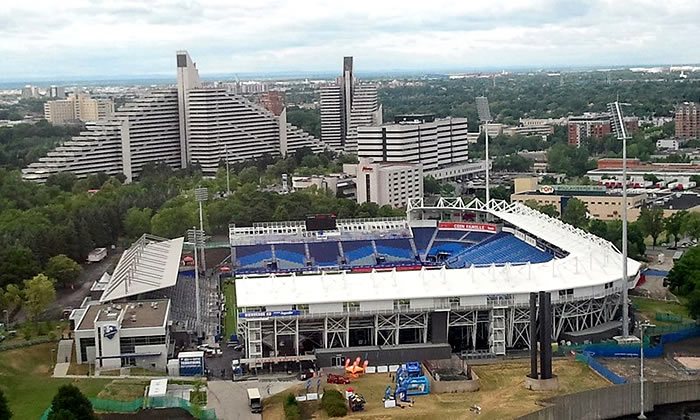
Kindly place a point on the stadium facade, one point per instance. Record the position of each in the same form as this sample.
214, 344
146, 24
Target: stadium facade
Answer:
416, 284
188, 124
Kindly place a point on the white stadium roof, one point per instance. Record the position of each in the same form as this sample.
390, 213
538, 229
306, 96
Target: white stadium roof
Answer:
592, 261
151, 263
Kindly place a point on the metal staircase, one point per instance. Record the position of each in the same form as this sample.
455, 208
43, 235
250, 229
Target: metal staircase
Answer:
497, 330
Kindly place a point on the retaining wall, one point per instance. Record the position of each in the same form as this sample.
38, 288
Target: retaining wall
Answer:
616, 401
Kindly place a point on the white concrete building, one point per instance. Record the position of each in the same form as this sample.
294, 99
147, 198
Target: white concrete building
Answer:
188, 124
124, 334
434, 143
386, 183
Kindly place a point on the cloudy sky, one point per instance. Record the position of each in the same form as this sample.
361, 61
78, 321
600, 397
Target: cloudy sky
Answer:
73, 38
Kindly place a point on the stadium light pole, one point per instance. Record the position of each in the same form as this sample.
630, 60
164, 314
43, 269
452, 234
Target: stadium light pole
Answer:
484, 113
201, 194
642, 327
618, 126
193, 238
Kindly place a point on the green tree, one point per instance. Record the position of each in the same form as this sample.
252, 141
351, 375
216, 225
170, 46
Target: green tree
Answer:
5, 412
550, 210
172, 222
62, 269
674, 225
431, 185
63, 180
651, 221
533, 204
16, 264
249, 175
575, 213
70, 399
137, 222
39, 292
691, 225
13, 297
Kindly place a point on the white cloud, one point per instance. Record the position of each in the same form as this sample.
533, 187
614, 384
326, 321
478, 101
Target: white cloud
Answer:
106, 37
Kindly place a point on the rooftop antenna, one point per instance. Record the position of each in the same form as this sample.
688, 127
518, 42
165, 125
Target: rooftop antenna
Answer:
484, 113
618, 126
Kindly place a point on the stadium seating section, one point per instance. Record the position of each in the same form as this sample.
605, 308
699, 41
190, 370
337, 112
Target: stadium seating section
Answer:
429, 246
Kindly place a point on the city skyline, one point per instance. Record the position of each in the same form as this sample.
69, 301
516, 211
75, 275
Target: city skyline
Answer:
308, 37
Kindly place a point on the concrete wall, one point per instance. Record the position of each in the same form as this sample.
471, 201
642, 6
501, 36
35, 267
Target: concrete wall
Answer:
445, 387
385, 355
616, 401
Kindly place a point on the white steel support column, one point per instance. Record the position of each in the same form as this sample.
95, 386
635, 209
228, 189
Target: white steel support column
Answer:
296, 335
274, 336
325, 332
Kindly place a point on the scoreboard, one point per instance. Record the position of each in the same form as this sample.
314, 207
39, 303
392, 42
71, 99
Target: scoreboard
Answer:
320, 222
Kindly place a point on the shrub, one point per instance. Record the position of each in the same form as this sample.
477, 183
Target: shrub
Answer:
334, 403
292, 411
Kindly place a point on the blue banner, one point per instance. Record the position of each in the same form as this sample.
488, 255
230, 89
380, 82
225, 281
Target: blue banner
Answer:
268, 314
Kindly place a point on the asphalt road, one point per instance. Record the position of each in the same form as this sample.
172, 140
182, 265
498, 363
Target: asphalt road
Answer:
230, 399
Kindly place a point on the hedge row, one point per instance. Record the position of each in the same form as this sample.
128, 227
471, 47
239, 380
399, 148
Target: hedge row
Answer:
334, 403
292, 411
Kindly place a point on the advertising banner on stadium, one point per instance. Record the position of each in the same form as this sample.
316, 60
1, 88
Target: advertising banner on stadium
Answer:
481, 227
268, 314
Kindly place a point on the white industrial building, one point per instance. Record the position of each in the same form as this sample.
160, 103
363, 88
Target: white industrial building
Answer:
188, 124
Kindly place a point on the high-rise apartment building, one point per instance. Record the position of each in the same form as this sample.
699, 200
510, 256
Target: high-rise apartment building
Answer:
188, 124
688, 120
434, 143
78, 107
346, 105
594, 124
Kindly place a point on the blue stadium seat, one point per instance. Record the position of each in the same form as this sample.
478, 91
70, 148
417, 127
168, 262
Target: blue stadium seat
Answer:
359, 253
500, 249
422, 236
290, 255
324, 253
477, 237
449, 235
250, 256
395, 250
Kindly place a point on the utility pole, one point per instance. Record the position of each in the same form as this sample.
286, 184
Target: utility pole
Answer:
642, 326
202, 194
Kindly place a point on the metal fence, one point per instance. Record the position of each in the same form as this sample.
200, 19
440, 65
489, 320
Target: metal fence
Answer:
608, 374
111, 406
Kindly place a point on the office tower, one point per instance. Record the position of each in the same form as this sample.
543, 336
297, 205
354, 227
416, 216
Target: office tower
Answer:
56, 92
188, 124
29, 92
346, 105
434, 143
78, 107
688, 120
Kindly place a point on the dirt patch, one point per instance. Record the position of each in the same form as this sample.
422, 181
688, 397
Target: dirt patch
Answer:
123, 390
502, 395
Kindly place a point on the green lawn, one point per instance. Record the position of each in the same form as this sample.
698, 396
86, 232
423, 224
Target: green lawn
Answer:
25, 380
650, 307
230, 320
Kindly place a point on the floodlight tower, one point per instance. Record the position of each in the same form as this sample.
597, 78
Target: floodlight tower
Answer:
618, 126
200, 195
484, 113
196, 237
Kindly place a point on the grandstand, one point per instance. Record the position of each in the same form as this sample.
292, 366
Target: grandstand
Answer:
451, 274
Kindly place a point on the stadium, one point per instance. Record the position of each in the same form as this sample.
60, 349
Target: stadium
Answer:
451, 277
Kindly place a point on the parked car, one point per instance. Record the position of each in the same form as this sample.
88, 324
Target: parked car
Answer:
337, 379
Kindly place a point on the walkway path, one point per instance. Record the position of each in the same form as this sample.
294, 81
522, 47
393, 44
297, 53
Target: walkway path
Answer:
63, 357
